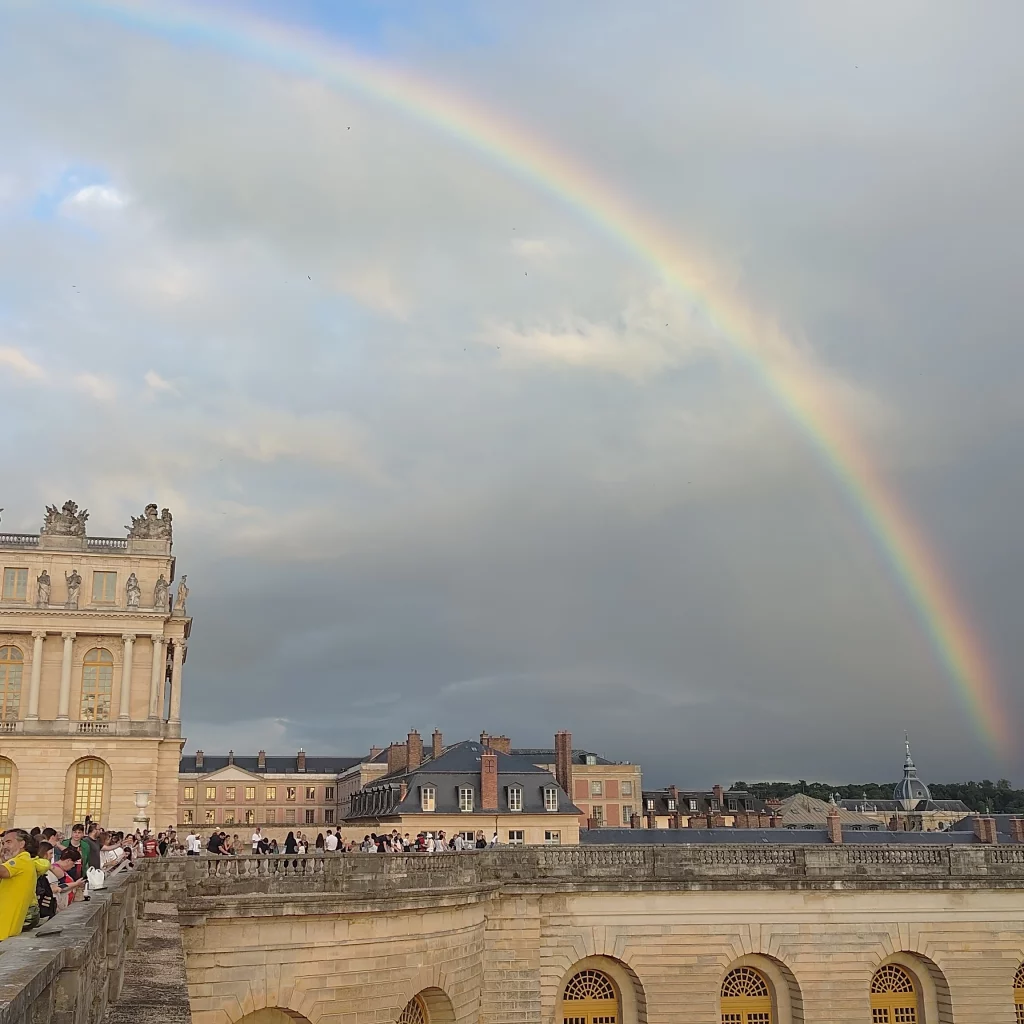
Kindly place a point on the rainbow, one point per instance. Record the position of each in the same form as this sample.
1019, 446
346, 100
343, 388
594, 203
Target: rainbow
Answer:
798, 386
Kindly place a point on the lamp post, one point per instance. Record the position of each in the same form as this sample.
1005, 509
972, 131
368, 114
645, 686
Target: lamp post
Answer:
141, 803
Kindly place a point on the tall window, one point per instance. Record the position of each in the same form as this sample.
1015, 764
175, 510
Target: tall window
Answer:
627, 814
97, 683
465, 798
1018, 994
671, 804
310, 816
428, 798
311, 792
88, 789
597, 813
104, 587
746, 997
328, 792
516, 837
250, 792
229, 817
553, 838
6, 775
515, 798
328, 817
271, 792
289, 816
894, 997
596, 788
271, 816
250, 817
414, 1013
626, 788
187, 817
550, 799
15, 584
11, 664
211, 817
289, 793
211, 792
190, 792
590, 997
229, 792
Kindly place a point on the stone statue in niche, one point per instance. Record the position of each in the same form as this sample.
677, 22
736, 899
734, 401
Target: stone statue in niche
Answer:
133, 591
74, 582
179, 604
160, 594
66, 521
43, 589
149, 526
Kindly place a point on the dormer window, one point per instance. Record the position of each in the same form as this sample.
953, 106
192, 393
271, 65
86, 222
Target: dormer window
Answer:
693, 805
465, 798
550, 798
649, 805
428, 797
515, 798
671, 804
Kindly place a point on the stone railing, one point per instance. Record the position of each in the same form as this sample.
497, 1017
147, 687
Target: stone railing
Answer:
19, 540
68, 970
622, 866
106, 543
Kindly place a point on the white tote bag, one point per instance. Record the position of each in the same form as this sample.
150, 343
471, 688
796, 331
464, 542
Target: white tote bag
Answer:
97, 880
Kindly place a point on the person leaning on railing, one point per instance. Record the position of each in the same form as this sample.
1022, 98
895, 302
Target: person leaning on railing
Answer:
18, 875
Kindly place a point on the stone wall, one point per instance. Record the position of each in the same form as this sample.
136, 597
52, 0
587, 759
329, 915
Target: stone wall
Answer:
68, 970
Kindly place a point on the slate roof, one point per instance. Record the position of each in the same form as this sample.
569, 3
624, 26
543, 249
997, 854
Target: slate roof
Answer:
315, 765
892, 806
458, 765
706, 801
546, 755
801, 809
765, 836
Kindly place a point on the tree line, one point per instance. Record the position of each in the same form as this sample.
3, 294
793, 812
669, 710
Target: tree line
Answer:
985, 797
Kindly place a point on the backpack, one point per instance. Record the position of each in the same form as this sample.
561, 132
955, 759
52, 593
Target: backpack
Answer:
45, 898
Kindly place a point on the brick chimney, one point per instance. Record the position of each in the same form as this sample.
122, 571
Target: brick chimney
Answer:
437, 743
231, 757
375, 751
1017, 830
502, 744
414, 750
717, 790
261, 761
673, 795
985, 829
300, 760
634, 821
488, 781
563, 760
397, 757
834, 826
676, 820
199, 760
485, 739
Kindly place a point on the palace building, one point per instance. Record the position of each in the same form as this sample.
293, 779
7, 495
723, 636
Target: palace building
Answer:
92, 651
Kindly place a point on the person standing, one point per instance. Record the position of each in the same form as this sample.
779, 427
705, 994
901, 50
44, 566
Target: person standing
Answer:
257, 838
290, 845
330, 842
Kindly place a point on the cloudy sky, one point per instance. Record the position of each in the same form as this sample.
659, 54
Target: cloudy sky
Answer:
444, 451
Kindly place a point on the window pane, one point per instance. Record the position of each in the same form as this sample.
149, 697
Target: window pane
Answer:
550, 799
328, 792
104, 587
515, 837
553, 838
271, 792
6, 771
289, 793
627, 788
627, 814
229, 792
311, 792
211, 817
190, 792
88, 789
187, 817
515, 799
289, 816
211, 792
97, 684
10, 682
15, 584
310, 816
596, 788
271, 816
328, 817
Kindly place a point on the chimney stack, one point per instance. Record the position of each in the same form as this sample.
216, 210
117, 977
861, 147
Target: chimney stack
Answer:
673, 794
300, 760
437, 744
199, 760
231, 757
485, 740
717, 790
1017, 830
985, 829
375, 751
261, 761
397, 757
501, 743
488, 781
835, 828
414, 750
563, 760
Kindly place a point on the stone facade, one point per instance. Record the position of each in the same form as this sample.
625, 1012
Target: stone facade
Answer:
495, 937
91, 660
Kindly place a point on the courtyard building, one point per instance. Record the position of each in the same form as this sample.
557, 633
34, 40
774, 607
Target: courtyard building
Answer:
92, 652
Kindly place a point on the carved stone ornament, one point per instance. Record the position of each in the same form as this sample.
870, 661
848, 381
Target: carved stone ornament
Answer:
179, 604
74, 582
43, 589
160, 594
133, 591
150, 526
66, 521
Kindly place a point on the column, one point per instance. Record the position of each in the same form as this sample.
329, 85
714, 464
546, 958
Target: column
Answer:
38, 635
124, 713
64, 702
179, 657
159, 664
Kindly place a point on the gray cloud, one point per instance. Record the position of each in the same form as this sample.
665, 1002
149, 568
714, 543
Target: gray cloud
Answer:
434, 460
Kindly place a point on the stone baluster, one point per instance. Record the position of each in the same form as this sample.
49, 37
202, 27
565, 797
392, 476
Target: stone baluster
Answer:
64, 700
38, 635
124, 712
156, 679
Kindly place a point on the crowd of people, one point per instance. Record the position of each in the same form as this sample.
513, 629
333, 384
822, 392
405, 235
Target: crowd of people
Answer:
43, 872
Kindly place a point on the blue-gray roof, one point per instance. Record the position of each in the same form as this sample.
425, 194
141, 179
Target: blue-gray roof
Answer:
275, 765
766, 836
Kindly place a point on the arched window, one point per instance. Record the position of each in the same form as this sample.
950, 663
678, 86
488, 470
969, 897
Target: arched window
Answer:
746, 997
11, 663
6, 781
590, 997
1018, 994
89, 789
97, 684
894, 996
414, 1013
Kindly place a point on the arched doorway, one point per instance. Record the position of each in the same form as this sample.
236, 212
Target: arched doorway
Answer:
591, 997
895, 998
415, 1012
1018, 994
746, 997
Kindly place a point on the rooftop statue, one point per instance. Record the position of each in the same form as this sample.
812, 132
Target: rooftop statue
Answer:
66, 521
150, 526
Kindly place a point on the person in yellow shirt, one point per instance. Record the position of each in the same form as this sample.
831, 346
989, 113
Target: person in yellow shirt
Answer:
17, 880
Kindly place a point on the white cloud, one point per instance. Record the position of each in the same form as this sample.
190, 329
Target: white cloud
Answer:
376, 289
16, 360
95, 197
103, 389
157, 383
532, 247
